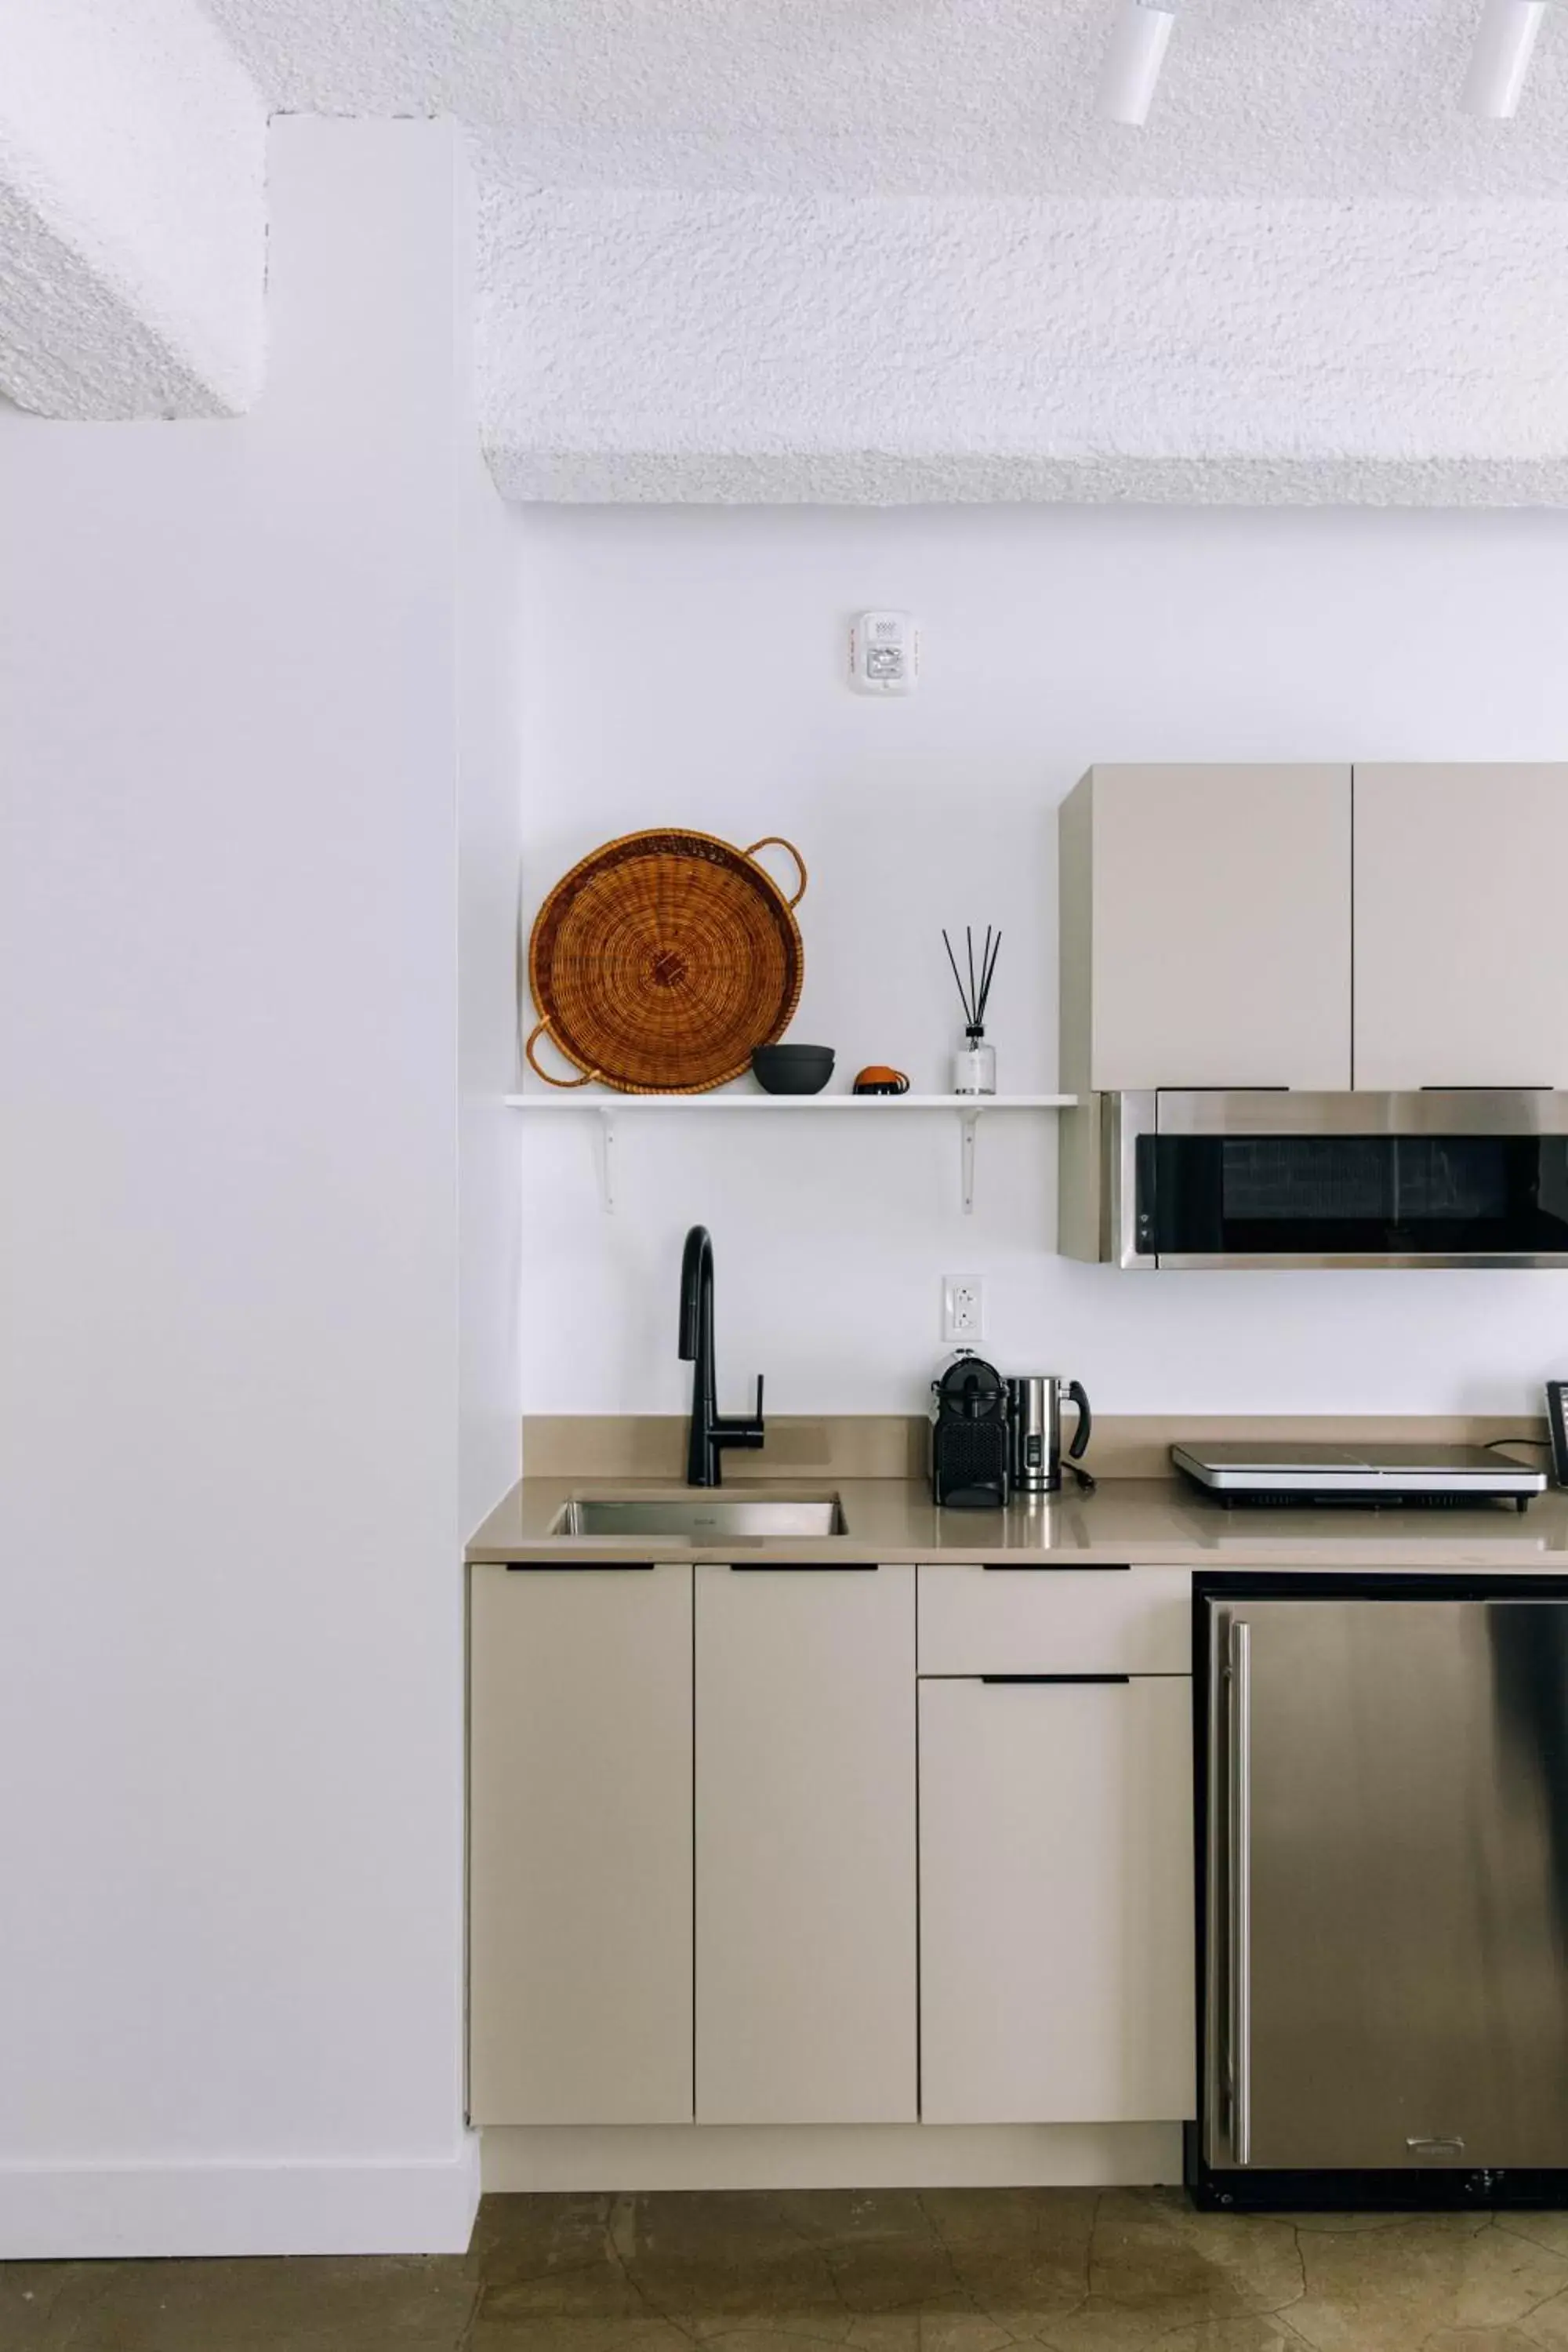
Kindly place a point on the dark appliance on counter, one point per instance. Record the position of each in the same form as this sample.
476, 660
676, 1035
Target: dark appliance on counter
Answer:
1557, 1429
1358, 1475
1275, 1178
969, 1434
1383, 1832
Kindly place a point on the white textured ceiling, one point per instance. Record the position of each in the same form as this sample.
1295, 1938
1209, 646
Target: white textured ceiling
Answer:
671, 345
882, 249
858, 250
133, 212
1260, 98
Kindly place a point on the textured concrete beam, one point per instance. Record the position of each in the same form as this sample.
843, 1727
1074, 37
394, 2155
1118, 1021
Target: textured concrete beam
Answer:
133, 222
682, 345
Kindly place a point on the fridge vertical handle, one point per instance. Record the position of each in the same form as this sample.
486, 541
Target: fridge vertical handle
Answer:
1240, 1778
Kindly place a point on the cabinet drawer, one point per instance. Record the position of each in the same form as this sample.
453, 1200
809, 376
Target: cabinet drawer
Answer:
1049, 1621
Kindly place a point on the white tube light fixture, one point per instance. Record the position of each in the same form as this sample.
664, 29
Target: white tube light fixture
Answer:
1138, 39
1500, 58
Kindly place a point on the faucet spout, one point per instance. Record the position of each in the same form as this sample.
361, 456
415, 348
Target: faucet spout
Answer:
696, 1293
710, 1431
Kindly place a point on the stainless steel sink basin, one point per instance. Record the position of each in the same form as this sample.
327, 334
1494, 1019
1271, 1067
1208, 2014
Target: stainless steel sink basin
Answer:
700, 1519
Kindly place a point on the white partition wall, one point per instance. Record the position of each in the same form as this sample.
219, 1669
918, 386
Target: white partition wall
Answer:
230, 1516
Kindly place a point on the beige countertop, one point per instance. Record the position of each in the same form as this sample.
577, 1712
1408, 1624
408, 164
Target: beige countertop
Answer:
1129, 1522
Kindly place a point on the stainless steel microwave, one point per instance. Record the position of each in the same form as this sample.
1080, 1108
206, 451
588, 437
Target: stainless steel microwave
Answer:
1476, 1178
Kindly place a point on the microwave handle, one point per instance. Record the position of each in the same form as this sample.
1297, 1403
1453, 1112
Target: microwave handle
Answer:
1145, 1194
1125, 1186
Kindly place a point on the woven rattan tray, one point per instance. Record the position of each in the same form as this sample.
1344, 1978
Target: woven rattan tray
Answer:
658, 964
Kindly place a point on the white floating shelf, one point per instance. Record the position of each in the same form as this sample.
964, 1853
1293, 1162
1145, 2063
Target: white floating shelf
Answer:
608, 1107
606, 1099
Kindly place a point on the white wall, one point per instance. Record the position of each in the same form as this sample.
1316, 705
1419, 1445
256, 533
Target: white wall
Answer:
491, 658
231, 1744
686, 668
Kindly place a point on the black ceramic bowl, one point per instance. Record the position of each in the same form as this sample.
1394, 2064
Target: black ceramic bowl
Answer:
793, 1069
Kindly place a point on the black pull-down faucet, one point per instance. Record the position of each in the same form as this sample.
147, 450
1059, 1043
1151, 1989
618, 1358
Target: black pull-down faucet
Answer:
710, 1432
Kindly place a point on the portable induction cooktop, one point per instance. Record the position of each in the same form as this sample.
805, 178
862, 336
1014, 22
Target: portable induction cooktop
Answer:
1358, 1475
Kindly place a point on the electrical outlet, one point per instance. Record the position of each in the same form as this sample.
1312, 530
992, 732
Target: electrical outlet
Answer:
963, 1309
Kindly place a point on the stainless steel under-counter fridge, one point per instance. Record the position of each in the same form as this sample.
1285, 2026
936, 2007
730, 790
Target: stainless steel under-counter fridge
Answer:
1384, 1912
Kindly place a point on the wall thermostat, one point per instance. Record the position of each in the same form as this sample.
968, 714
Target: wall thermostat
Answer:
884, 653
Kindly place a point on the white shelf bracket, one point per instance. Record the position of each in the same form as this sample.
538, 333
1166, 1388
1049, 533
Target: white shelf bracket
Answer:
968, 1122
607, 1111
606, 1125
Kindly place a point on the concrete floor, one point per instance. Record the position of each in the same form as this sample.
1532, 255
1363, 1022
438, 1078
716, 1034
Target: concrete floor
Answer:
884, 2271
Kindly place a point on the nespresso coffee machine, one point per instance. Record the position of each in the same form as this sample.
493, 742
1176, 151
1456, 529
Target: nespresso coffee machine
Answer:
969, 1434
992, 1437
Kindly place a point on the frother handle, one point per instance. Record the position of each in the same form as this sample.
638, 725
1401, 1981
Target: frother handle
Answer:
1078, 1394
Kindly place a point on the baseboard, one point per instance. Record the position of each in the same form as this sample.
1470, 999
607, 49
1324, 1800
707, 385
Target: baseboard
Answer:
52, 2212
857, 2155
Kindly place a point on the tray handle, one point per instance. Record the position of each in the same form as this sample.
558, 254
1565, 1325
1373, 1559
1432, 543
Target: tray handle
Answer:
543, 1030
777, 841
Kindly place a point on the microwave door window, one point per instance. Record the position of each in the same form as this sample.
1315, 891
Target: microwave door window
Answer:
1315, 1195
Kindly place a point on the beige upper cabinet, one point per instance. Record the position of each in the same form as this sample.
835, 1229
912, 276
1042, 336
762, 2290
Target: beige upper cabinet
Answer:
580, 1846
1461, 948
1205, 928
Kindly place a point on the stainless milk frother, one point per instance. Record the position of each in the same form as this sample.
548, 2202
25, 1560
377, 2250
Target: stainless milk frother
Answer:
1035, 1432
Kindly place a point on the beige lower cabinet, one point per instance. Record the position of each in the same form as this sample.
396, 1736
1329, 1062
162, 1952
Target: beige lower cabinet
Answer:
805, 1846
580, 1845
1056, 1937
765, 1947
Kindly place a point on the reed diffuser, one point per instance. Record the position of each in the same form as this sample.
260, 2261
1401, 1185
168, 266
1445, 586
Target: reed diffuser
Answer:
974, 1062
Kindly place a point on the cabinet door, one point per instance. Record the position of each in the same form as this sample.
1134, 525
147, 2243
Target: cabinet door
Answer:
1461, 951
805, 1846
580, 1846
1056, 1907
1221, 927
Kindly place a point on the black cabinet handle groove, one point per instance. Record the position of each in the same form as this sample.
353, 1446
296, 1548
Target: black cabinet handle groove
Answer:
584, 1567
1055, 1678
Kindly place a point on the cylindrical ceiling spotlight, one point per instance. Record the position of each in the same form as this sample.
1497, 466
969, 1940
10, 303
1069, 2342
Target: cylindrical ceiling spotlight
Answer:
1138, 39
1501, 58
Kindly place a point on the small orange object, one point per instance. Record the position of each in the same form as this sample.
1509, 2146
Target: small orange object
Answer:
876, 1079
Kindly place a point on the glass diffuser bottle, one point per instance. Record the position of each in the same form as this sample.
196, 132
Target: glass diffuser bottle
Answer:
974, 1062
